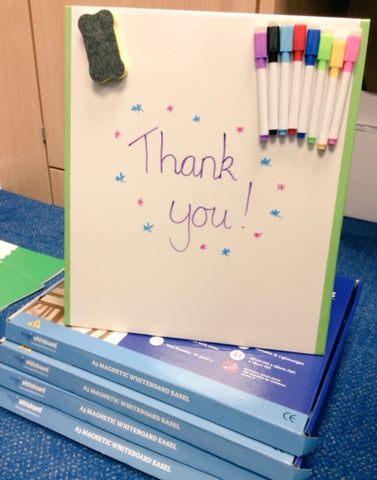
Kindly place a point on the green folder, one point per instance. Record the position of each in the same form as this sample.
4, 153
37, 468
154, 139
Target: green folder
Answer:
23, 272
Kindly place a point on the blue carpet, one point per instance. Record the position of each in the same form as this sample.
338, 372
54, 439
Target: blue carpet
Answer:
348, 448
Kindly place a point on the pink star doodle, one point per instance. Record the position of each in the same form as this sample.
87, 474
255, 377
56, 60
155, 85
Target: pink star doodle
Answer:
240, 129
281, 186
117, 133
170, 108
140, 202
257, 234
203, 246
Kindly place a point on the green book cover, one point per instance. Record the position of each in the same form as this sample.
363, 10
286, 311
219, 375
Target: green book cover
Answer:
14, 285
23, 271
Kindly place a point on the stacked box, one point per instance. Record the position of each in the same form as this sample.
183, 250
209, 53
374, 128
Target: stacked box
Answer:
218, 410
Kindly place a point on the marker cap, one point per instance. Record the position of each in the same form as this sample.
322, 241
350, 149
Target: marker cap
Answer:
312, 45
337, 53
324, 50
325, 46
286, 38
352, 51
260, 48
273, 38
299, 40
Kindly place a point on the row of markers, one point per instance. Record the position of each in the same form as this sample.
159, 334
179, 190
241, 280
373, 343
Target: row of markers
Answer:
295, 102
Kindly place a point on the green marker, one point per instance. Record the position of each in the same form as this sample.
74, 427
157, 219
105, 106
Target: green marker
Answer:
323, 57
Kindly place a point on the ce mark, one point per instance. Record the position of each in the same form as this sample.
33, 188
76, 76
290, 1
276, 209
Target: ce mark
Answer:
289, 417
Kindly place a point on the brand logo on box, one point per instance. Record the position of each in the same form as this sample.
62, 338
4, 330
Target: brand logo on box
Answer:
35, 324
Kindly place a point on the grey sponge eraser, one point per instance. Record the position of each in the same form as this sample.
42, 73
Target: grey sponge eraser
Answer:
101, 45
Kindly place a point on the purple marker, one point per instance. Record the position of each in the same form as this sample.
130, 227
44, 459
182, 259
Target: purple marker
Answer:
260, 51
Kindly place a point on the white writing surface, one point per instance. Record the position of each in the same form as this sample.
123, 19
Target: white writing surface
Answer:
180, 222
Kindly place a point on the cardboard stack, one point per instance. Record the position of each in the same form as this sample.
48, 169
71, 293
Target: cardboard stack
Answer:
168, 407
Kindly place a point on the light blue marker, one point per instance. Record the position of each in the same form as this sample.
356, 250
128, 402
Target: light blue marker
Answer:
286, 41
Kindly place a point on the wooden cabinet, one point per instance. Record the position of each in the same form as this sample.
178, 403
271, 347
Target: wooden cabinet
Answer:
23, 157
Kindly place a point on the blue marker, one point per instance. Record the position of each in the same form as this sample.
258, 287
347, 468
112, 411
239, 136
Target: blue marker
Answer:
311, 51
286, 42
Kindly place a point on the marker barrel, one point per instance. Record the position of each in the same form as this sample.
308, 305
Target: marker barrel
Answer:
339, 108
284, 98
306, 97
316, 106
262, 104
327, 113
273, 98
295, 98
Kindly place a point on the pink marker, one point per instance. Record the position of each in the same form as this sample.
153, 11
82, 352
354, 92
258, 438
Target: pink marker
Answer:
260, 52
350, 56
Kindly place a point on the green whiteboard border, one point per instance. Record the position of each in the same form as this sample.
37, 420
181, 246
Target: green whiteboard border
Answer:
67, 146
342, 190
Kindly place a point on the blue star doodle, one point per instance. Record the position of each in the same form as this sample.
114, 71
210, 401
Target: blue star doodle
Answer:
196, 118
225, 252
148, 227
137, 108
265, 162
120, 178
275, 213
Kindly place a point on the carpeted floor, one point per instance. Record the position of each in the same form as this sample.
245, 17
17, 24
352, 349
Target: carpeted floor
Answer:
348, 448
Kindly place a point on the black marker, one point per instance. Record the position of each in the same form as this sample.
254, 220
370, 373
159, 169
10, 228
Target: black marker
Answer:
273, 47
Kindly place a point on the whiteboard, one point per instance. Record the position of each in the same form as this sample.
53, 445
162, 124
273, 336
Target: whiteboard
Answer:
180, 222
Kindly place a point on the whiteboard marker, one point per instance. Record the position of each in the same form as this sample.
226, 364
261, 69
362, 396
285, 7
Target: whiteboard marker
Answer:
350, 57
311, 51
260, 52
299, 40
323, 57
273, 92
336, 63
286, 41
